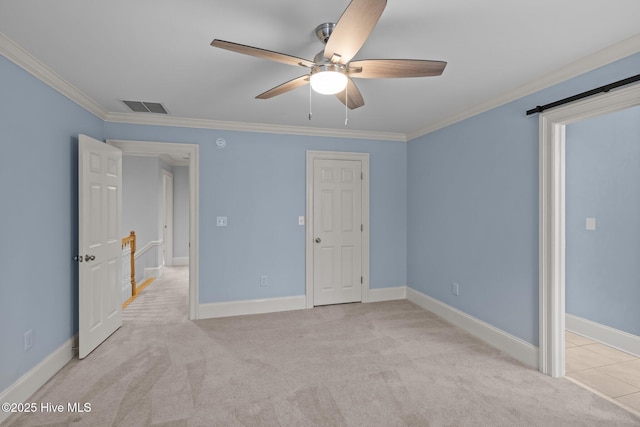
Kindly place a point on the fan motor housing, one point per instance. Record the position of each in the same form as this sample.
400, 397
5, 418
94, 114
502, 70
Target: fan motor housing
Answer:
323, 31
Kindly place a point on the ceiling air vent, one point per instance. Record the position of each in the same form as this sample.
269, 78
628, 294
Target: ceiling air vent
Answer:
146, 107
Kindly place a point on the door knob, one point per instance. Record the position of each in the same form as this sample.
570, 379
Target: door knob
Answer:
318, 240
89, 257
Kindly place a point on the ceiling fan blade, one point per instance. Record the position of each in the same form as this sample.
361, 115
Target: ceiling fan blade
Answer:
389, 68
285, 87
262, 53
354, 96
353, 29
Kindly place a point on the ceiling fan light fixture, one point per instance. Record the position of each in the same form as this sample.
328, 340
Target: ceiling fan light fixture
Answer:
328, 79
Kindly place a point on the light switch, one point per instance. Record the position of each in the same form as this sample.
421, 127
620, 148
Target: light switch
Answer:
591, 224
221, 221
301, 220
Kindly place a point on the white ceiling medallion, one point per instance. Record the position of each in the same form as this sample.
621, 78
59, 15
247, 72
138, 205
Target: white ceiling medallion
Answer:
221, 143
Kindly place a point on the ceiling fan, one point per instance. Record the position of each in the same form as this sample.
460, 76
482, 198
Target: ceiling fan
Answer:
332, 69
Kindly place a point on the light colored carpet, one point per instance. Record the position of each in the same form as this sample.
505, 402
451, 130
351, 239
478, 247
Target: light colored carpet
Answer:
381, 364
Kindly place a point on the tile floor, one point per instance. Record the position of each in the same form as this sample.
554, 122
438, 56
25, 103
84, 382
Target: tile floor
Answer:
610, 372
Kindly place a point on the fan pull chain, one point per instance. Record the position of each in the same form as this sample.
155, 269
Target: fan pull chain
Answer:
346, 105
310, 115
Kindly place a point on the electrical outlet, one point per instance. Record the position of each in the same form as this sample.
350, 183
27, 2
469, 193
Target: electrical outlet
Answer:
455, 289
221, 221
264, 281
28, 339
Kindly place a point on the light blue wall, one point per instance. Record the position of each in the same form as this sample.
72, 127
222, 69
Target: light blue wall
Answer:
258, 182
180, 211
603, 182
38, 218
473, 208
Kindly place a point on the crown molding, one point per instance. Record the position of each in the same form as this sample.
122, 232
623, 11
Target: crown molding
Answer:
161, 120
598, 59
16, 54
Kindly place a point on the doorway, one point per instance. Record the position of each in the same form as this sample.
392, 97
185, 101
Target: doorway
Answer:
190, 152
603, 246
552, 242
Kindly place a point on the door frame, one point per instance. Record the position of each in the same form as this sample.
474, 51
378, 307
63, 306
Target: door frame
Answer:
167, 217
337, 155
551, 269
192, 150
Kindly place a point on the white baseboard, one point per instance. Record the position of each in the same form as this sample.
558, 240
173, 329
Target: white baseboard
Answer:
513, 346
37, 376
258, 306
386, 294
182, 260
612, 337
271, 305
155, 272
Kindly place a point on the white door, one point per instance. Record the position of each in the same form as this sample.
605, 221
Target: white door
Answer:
337, 231
100, 217
167, 218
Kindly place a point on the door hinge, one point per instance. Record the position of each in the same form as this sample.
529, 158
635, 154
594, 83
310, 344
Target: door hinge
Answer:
361, 176
361, 279
361, 227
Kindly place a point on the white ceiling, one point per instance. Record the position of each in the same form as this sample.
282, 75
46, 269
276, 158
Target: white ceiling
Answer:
158, 50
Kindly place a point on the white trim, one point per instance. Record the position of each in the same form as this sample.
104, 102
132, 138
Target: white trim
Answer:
180, 260
146, 248
552, 216
149, 119
36, 377
15, 53
337, 155
386, 294
513, 346
167, 208
612, 337
256, 306
598, 59
23, 59
193, 151
152, 272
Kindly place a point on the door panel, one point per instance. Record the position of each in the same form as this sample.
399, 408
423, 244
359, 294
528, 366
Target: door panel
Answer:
100, 216
347, 211
337, 215
346, 263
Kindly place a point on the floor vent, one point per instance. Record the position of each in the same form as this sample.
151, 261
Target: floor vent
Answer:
146, 107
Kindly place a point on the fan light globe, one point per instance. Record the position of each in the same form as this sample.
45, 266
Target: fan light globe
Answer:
328, 80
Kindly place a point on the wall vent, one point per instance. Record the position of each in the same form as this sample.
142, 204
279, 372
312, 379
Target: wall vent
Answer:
146, 107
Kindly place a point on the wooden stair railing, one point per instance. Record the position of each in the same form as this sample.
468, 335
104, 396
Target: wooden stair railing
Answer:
131, 241
129, 245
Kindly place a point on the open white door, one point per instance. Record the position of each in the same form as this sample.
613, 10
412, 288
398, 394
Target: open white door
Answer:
100, 218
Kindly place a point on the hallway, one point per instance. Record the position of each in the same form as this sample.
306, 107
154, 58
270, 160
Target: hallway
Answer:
165, 300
